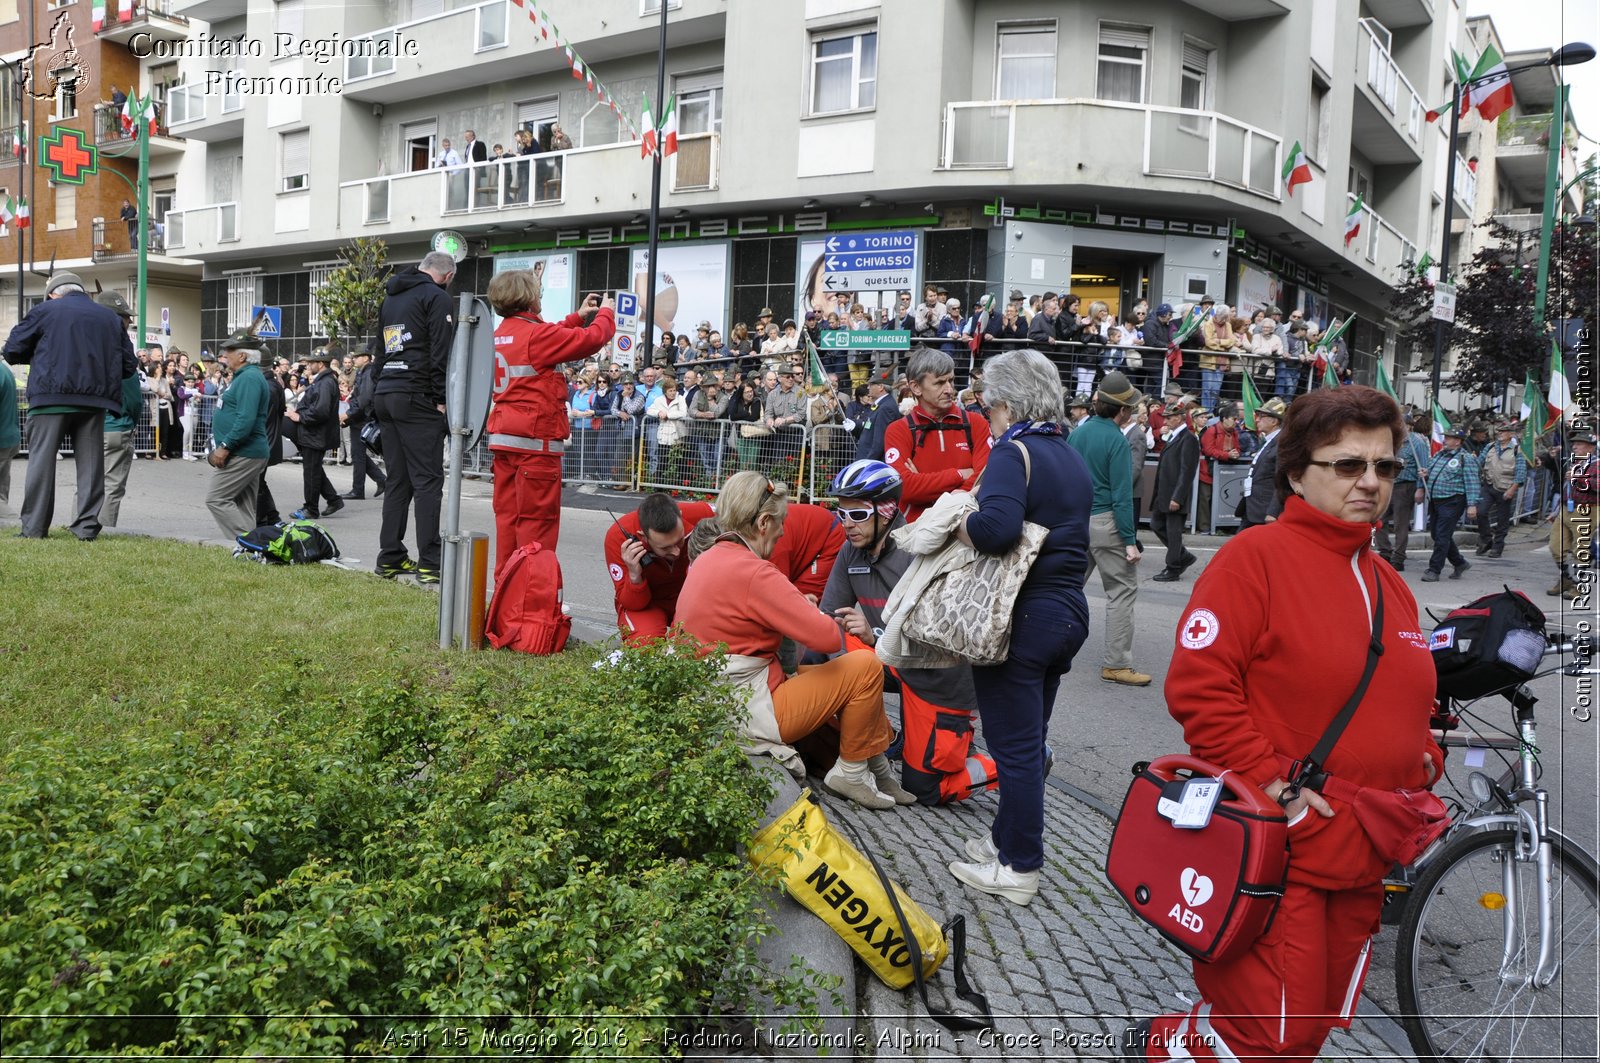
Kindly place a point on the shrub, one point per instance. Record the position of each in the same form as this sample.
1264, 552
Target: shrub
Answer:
525, 841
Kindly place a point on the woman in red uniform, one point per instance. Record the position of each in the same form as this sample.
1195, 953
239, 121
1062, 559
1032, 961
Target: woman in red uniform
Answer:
1258, 672
529, 420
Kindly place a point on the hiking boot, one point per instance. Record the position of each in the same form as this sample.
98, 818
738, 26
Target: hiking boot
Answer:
1573, 593
427, 577
1125, 676
1455, 573
333, 507
404, 568
1562, 586
997, 879
1398, 566
1483, 548
1430, 576
1496, 551
982, 849
852, 779
884, 775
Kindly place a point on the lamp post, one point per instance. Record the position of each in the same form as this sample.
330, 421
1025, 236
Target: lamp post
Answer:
1568, 55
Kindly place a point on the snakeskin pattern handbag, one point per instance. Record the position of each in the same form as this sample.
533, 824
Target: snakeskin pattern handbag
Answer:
967, 613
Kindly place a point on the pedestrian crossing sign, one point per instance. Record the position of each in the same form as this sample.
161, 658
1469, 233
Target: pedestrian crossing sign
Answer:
267, 322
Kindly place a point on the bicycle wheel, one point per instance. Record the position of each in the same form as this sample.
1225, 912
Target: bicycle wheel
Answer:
1469, 944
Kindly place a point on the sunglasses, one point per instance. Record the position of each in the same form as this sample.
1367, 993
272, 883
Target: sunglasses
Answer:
1352, 468
854, 516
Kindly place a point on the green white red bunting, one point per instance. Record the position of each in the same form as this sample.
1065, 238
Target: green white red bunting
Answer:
581, 70
663, 138
1352, 221
1296, 170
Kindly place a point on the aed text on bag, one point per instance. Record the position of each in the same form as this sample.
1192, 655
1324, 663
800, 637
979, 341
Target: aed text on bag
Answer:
841, 897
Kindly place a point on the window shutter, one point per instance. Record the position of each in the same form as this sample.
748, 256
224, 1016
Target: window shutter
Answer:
684, 84
1196, 58
297, 152
1125, 36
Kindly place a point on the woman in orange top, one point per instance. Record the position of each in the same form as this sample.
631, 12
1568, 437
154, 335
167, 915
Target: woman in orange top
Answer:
734, 596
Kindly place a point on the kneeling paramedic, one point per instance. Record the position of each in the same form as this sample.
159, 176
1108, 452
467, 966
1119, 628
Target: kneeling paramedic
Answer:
936, 704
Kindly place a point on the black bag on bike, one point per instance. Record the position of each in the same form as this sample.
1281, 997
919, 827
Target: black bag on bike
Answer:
1488, 644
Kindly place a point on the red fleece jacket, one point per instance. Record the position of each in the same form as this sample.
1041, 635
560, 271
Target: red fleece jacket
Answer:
812, 536
1271, 646
937, 454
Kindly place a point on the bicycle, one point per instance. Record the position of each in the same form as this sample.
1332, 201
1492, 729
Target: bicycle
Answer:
1500, 918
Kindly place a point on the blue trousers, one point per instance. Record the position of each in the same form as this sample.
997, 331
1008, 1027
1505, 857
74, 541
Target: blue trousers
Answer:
1443, 516
1210, 387
1015, 700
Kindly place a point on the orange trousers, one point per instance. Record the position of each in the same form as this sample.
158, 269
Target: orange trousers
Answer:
849, 687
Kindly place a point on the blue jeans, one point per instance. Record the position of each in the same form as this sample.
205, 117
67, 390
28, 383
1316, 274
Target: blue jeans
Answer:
1210, 387
1286, 382
1015, 700
1443, 516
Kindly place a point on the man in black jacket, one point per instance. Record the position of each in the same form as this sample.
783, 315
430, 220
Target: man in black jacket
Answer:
1175, 473
81, 354
418, 324
361, 412
1261, 502
318, 418
266, 505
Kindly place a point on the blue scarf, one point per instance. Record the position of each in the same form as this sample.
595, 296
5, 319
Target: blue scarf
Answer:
1030, 428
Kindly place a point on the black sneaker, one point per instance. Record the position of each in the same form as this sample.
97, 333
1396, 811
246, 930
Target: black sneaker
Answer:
427, 577
333, 507
404, 568
1456, 572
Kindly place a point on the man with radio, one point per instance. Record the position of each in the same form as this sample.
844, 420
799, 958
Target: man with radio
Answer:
644, 557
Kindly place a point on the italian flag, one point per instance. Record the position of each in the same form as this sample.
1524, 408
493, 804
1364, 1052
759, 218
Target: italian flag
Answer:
1352, 221
1530, 427
6, 214
124, 10
1492, 95
1296, 171
1560, 392
669, 128
97, 20
128, 108
647, 143
22, 213
1441, 425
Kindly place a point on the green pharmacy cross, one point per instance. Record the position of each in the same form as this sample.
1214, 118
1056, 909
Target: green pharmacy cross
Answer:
69, 158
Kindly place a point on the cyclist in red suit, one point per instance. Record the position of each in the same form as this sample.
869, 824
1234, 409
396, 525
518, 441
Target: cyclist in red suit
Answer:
647, 590
529, 419
811, 540
938, 446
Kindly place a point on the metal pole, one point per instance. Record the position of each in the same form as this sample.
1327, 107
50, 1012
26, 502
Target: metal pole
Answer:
1441, 329
21, 277
456, 419
1552, 203
143, 207
649, 344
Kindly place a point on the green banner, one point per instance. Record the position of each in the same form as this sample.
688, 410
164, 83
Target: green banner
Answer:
865, 340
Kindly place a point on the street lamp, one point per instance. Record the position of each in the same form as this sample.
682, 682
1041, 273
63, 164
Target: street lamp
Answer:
1567, 55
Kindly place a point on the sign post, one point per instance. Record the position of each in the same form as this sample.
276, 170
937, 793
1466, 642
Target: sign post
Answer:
1444, 302
469, 385
865, 340
870, 261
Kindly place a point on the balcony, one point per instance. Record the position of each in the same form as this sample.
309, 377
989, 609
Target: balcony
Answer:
213, 11
110, 138
1523, 154
1239, 10
478, 29
156, 19
1180, 143
1380, 245
188, 107
1397, 14
1466, 186
1388, 117
195, 230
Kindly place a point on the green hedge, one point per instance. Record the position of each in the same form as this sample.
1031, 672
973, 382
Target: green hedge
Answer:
488, 852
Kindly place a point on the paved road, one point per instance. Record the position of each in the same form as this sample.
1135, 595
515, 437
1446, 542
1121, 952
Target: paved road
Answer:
1088, 961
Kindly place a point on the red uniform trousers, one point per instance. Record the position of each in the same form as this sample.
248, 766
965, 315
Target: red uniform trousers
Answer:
640, 627
1280, 1000
527, 502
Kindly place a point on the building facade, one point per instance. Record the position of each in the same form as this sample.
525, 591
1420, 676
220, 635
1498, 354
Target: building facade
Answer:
1119, 150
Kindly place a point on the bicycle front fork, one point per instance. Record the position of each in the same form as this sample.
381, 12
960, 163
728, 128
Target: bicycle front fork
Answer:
1532, 847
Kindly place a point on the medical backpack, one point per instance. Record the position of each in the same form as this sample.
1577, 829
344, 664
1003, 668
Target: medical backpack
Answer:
526, 613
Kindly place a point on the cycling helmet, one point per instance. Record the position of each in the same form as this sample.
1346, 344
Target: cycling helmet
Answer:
866, 479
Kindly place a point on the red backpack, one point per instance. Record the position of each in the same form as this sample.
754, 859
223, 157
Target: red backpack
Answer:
526, 612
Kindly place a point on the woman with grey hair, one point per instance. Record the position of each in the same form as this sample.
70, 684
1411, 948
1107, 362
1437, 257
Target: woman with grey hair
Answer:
1032, 475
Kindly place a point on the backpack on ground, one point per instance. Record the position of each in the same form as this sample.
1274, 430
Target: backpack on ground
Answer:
526, 613
290, 542
1488, 644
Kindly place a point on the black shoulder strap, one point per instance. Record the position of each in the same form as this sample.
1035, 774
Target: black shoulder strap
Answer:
920, 432
1308, 772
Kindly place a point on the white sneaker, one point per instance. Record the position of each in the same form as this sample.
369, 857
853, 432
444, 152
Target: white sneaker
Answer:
982, 849
993, 877
858, 786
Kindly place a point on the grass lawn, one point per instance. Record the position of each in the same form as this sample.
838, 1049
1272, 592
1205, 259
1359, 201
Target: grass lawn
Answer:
99, 636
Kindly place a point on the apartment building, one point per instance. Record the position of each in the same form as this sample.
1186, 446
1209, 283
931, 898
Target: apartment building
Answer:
1120, 150
56, 100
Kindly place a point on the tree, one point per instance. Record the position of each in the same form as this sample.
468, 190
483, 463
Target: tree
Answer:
353, 294
1411, 307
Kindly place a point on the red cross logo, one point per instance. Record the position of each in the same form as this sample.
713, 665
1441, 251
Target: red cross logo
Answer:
68, 156
1200, 630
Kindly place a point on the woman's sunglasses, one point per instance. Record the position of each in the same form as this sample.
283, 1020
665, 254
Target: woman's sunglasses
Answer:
1353, 468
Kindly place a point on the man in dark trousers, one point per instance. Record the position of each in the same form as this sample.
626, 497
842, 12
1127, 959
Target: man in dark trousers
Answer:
419, 326
318, 418
882, 411
359, 413
80, 354
1169, 504
266, 505
1261, 502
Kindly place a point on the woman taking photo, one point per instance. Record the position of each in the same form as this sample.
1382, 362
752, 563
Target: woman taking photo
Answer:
732, 595
745, 411
1259, 670
1051, 487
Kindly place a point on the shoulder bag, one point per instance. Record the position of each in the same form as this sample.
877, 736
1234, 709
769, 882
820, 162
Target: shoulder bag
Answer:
1213, 888
967, 612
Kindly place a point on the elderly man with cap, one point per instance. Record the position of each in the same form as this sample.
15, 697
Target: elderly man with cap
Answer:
239, 431
81, 354
1218, 443
882, 411
1505, 470
1078, 410
1113, 542
1175, 473
1261, 502
1573, 533
1452, 480
317, 416
361, 411
120, 425
1408, 493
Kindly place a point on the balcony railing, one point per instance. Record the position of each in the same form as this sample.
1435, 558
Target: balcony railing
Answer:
185, 103
489, 29
1379, 242
1529, 131
498, 184
1177, 142
1384, 78
186, 229
1466, 187
695, 166
108, 124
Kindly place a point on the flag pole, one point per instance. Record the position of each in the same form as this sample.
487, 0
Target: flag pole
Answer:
21, 277
648, 344
143, 194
